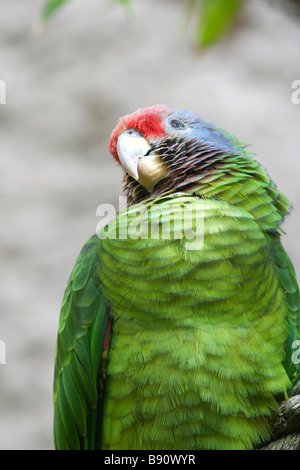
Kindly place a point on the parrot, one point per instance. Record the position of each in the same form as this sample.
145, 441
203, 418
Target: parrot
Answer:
180, 318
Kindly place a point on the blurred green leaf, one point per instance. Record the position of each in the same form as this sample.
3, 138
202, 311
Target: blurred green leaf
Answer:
51, 7
126, 3
216, 17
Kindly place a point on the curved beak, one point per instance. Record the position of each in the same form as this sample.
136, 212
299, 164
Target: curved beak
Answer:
137, 160
130, 147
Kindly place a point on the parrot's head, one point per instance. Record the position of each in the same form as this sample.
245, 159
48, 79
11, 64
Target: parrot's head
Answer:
164, 150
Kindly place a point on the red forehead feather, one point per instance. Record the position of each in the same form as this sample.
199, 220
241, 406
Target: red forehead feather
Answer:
147, 121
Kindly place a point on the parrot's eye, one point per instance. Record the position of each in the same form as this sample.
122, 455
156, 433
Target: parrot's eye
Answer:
132, 132
176, 124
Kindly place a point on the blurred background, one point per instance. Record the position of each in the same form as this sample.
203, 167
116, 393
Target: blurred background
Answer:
67, 83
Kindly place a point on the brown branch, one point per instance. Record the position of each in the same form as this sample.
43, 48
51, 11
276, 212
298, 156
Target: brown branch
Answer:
285, 424
290, 442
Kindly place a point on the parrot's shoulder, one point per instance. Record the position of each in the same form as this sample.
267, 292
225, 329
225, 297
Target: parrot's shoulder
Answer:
83, 283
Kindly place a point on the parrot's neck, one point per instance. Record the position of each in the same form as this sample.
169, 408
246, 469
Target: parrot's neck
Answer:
235, 178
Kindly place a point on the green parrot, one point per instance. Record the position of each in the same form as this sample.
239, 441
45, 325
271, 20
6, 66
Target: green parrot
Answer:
180, 318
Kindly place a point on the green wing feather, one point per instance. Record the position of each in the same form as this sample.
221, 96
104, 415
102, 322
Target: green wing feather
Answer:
79, 373
289, 284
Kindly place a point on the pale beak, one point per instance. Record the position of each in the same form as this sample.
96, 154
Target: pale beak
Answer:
146, 168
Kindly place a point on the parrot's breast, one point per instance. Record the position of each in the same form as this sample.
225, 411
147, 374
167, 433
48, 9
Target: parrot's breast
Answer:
199, 331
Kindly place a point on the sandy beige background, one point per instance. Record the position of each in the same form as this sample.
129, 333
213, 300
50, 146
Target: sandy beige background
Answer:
65, 91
